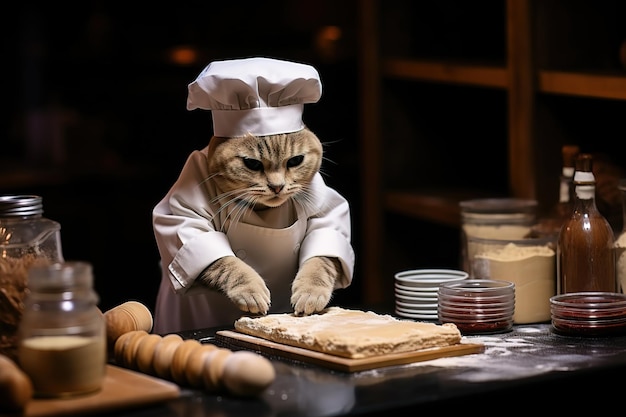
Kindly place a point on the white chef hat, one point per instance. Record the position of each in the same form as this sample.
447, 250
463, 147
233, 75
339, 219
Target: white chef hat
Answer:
260, 96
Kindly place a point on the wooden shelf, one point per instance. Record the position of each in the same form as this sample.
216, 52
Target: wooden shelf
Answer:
608, 86
416, 60
438, 206
446, 72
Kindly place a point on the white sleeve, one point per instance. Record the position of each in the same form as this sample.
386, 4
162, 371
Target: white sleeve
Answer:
328, 230
183, 225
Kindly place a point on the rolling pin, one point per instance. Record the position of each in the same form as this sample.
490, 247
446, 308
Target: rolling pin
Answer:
191, 363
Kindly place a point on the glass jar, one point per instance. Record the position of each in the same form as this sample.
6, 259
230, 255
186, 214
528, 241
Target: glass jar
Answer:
620, 242
26, 239
477, 306
494, 218
528, 263
62, 335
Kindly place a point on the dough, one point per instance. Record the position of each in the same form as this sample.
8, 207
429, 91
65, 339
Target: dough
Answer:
349, 333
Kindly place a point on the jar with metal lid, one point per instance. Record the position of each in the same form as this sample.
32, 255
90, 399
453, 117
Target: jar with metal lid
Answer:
26, 239
494, 218
62, 334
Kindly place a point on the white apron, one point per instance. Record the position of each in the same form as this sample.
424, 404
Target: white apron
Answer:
189, 239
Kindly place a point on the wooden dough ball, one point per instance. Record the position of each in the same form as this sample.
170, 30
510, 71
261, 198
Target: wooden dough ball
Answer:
130, 348
126, 317
163, 354
195, 364
247, 373
16, 388
213, 368
179, 360
145, 353
120, 345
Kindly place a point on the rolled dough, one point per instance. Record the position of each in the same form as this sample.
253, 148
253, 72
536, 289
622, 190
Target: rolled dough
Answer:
349, 333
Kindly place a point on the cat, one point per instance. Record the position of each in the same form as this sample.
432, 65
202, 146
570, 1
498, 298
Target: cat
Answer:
263, 174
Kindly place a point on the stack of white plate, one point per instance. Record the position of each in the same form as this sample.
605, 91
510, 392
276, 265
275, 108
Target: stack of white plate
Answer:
416, 291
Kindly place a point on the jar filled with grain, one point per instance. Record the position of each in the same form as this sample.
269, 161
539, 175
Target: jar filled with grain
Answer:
62, 334
26, 239
528, 263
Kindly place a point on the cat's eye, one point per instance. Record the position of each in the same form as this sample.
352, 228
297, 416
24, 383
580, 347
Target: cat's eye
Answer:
253, 164
295, 161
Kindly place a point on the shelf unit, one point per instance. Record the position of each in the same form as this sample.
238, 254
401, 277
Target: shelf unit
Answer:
475, 99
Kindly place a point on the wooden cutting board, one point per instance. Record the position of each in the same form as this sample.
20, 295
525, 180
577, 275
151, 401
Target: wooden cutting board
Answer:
122, 388
340, 363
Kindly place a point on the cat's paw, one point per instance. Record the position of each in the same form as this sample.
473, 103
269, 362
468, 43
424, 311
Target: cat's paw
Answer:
313, 286
240, 283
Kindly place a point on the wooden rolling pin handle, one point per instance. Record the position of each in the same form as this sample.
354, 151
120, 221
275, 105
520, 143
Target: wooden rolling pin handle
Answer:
124, 318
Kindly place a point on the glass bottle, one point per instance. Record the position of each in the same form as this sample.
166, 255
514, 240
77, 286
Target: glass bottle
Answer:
563, 208
620, 241
550, 225
26, 239
62, 335
585, 255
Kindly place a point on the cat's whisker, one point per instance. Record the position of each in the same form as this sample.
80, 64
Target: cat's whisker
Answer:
224, 205
209, 177
237, 213
227, 195
242, 203
305, 199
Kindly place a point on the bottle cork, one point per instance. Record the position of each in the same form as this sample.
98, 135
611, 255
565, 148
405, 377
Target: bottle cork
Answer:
569, 154
126, 317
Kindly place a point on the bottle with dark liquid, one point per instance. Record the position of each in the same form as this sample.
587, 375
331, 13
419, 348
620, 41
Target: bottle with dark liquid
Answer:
550, 225
585, 256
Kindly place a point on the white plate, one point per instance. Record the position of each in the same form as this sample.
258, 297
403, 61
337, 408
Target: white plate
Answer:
418, 316
423, 300
428, 278
416, 290
416, 310
432, 297
420, 306
427, 303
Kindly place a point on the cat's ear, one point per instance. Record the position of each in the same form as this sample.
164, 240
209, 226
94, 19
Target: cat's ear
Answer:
214, 142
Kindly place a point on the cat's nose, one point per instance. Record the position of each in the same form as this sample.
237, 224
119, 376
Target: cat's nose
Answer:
276, 188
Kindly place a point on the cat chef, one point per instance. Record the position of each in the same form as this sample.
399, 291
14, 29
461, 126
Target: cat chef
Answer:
258, 96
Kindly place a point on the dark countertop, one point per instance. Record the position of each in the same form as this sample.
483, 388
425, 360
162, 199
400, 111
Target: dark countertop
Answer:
530, 366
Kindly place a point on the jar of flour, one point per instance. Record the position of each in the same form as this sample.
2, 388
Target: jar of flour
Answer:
494, 218
528, 263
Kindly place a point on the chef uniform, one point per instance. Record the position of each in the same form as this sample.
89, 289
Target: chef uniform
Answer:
260, 96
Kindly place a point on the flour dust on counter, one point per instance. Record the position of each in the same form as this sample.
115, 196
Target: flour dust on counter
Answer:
526, 351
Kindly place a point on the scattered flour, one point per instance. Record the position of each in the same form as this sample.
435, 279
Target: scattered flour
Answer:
504, 358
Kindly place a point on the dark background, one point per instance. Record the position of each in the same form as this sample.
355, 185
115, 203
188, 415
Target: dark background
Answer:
95, 122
